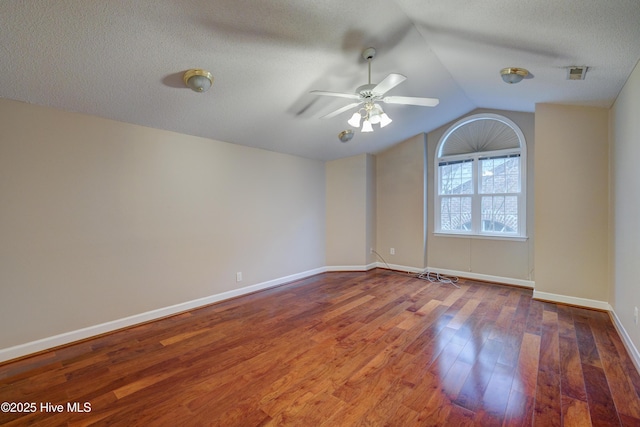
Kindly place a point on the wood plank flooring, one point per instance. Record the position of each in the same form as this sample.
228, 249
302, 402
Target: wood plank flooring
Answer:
342, 349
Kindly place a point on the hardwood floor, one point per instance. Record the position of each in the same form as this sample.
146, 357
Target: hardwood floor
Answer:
341, 349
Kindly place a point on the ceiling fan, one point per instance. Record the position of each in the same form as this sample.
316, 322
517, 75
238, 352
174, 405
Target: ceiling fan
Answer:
370, 95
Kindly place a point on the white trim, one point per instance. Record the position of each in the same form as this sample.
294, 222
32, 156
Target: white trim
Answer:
404, 268
580, 302
626, 340
91, 331
464, 274
482, 236
485, 277
367, 267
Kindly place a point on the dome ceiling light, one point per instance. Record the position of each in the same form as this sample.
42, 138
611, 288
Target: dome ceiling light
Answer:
513, 75
345, 135
198, 80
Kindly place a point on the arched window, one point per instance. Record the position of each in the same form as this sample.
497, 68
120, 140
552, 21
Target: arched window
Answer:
480, 182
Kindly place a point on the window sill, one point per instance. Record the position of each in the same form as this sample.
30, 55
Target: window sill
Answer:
483, 236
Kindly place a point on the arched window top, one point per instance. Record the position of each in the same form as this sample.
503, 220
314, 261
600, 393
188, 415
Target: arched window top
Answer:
480, 133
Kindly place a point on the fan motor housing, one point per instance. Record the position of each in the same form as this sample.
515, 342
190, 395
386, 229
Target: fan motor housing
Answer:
366, 91
369, 53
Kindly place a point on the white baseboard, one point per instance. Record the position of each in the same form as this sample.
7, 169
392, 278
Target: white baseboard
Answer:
485, 277
580, 302
84, 333
626, 340
397, 267
465, 274
367, 267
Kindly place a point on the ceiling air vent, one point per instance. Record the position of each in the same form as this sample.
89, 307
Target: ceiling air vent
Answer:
576, 73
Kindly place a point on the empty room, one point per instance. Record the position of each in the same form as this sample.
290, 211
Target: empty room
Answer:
279, 213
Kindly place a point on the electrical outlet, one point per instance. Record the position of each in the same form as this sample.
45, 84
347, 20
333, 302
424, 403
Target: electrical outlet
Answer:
370, 250
239, 276
392, 251
635, 315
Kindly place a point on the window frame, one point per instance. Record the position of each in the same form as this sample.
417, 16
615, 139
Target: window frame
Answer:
476, 196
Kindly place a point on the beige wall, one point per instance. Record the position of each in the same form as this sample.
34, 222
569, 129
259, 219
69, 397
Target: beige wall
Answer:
372, 215
624, 294
100, 220
350, 198
571, 201
491, 257
400, 203
377, 202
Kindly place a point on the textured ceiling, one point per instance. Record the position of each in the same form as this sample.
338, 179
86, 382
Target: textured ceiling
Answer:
123, 60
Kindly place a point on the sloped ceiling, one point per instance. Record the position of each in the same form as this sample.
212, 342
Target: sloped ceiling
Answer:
124, 60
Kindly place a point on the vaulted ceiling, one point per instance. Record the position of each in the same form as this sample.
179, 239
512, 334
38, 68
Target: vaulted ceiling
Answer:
124, 60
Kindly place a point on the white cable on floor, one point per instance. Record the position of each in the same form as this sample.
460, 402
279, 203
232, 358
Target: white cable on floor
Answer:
438, 278
426, 274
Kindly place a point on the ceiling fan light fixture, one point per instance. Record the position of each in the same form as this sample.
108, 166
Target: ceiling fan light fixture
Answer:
375, 114
513, 75
355, 120
384, 120
369, 95
198, 80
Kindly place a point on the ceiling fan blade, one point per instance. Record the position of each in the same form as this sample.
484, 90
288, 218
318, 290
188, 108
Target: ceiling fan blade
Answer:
341, 110
410, 100
338, 94
389, 82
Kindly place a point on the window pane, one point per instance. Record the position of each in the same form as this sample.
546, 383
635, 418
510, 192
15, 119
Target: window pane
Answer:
500, 175
456, 178
500, 214
486, 176
513, 183
455, 213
